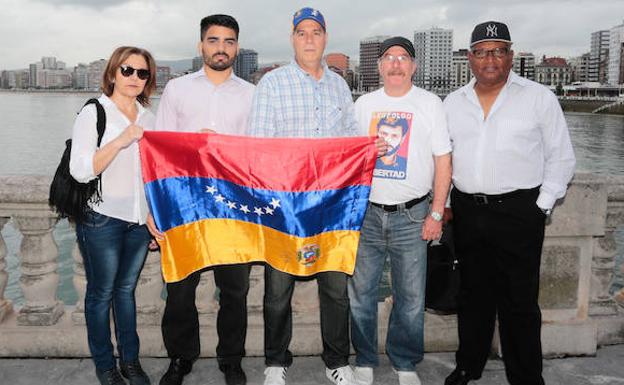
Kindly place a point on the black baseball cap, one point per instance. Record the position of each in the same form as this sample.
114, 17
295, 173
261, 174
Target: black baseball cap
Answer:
490, 31
401, 42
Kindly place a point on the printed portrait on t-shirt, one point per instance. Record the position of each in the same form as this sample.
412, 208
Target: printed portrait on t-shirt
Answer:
394, 128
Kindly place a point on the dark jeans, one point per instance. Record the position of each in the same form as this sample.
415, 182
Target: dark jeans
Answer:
180, 324
113, 252
499, 247
334, 302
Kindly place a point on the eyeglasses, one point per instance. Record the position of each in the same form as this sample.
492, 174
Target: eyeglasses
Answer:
391, 58
127, 71
498, 53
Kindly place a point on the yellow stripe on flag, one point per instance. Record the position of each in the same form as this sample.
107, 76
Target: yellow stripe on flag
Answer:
212, 242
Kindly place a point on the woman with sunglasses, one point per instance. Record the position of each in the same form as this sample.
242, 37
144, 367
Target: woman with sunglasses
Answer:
113, 239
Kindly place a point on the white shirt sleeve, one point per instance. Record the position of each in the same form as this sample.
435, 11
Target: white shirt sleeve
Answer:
559, 159
362, 123
84, 145
167, 118
440, 139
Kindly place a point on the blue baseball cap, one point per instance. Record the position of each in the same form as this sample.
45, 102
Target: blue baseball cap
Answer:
308, 13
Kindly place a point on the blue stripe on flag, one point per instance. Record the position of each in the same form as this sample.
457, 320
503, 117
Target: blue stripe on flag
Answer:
188, 199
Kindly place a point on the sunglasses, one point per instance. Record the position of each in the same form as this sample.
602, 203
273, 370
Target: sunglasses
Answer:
127, 71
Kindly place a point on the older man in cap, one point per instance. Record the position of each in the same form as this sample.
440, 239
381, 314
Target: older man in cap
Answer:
305, 99
512, 159
399, 219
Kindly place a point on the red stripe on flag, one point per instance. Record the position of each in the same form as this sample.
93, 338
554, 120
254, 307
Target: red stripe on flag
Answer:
268, 163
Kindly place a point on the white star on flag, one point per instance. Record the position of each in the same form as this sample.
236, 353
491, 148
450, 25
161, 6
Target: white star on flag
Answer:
231, 205
258, 211
268, 210
244, 209
211, 190
275, 203
220, 198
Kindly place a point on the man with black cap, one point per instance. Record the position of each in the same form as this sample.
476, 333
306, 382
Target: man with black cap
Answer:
399, 221
305, 99
512, 159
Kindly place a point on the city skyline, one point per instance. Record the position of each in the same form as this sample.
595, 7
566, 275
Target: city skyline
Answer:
79, 31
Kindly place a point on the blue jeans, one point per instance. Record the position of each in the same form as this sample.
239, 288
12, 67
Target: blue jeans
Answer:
113, 252
397, 236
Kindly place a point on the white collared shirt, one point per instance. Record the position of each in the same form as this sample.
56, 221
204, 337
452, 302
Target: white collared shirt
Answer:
192, 102
523, 143
123, 196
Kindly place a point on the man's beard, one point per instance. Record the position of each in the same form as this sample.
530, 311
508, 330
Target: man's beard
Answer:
219, 65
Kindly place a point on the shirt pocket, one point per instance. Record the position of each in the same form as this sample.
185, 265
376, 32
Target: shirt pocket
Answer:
517, 135
334, 117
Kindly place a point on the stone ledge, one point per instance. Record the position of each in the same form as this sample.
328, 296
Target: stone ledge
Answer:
571, 338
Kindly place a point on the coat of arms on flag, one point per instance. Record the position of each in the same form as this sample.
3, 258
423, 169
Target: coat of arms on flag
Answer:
297, 204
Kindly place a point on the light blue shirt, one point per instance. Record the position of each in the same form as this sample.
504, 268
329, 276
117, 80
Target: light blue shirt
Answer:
289, 102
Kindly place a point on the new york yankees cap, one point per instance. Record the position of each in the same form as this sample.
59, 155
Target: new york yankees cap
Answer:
490, 31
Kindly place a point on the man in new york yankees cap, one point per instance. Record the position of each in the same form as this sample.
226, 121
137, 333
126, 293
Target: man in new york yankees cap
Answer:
512, 160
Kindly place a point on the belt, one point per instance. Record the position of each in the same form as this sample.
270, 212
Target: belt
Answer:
484, 199
408, 204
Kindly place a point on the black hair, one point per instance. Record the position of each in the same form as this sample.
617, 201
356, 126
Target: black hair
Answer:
226, 21
394, 122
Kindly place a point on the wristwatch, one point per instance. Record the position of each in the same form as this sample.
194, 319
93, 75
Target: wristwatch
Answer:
436, 216
546, 212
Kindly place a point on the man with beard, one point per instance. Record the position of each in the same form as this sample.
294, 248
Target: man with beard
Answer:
399, 219
212, 99
512, 159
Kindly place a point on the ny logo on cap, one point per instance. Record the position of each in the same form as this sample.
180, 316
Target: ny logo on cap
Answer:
314, 12
491, 30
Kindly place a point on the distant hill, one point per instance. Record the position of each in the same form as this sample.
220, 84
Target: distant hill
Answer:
181, 65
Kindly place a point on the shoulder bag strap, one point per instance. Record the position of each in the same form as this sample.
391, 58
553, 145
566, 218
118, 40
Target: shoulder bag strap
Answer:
101, 118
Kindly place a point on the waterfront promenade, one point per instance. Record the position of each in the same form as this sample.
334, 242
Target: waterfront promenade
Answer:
580, 317
604, 369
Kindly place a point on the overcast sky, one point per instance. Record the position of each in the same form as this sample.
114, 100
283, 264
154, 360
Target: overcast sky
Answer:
85, 30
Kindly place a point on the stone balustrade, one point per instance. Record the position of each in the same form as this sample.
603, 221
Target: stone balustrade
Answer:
577, 265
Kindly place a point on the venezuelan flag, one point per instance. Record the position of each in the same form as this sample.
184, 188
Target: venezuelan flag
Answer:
297, 204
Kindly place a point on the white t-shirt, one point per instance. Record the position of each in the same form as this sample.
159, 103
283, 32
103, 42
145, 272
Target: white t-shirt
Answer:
415, 126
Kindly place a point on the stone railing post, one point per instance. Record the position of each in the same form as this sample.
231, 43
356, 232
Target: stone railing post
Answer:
80, 283
148, 292
603, 262
39, 280
205, 299
305, 301
605, 249
255, 297
614, 274
5, 305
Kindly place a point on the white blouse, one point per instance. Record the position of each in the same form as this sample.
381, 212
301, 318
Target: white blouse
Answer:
123, 195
